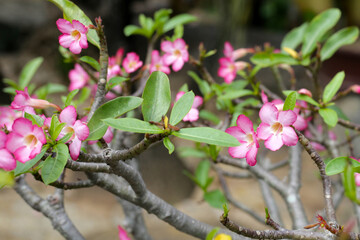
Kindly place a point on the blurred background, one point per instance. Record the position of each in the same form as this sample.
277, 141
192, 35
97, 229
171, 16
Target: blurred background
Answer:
28, 30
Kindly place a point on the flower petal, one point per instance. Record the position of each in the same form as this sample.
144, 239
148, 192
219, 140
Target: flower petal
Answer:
287, 118
264, 131
74, 148
3, 138
81, 130
167, 46
192, 116
68, 115
80, 27
239, 151
274, 142
245, 124
75, 47
289, 136
64, 26
7, 161
22, 154
179, 43
66, 40
268, 113
178, 64
238, 133
22, 126
198, 101
251, 155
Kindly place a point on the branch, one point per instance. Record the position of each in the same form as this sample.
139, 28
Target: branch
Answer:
349, 124
329, 206
271, 234
103, 59
51, 208
87, 167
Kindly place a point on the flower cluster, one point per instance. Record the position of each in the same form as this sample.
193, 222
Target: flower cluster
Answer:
275, 130
21, 140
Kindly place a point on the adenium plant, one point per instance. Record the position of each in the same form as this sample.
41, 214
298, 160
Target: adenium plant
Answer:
115, 97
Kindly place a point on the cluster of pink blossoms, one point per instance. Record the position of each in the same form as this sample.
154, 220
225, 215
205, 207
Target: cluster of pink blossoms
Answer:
22, 140
275, 130
228, 64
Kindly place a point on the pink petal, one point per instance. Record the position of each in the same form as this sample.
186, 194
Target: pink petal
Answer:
192, 116
228, 50
81, 130
35, 151
167, 46
75, 47
7, 161
289, 136
108, 137
317, 146
264, 131
264, 97
238, 133
300, 123
178, 64
122, 234
239, 151
14, 141
64, 26
155, 56
68, 115
22, 126
74, 148
274, 142
65, 40
268, 113
169, 58
80, 27
39, 134
198, 101
179, 43
83, 41
3, 138
357, 179
245, 124
179, 95
22, 154
251, 155
287, 118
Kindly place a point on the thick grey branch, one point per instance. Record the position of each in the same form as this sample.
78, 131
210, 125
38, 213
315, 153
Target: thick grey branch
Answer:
51, 208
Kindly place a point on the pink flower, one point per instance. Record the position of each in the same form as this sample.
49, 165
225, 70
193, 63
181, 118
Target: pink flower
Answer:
176, 53
228, 68
7, 117
78, 78
305, 92
244, 133
355, 88
132, 62
275, 127
238, 53
193, 114
123, 234
157, 63
357, 179
25, 140
113, 68
22, 100
119, 55
74, 35
78, 129
7, 161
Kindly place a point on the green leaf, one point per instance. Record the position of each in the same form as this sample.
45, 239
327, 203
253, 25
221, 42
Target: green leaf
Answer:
55, 163
28, 72
212, 233
341, 38
134, 30
290, 102
339, 112
111, 109
329, 116
65, 138
49, 88
35, 119
91, 61
169, 145
303, 97
207, 135
9, 90
55, 127
234, 94
294, 38
349, 183
180, 19
215, 198
181, 108
11, 83
157, 97
333, 86
115, 81
317, 29
132, 125
207, 115
71, 11
6, 178
336, 166
191, 152
203, 85
24, 167
70, 97
84, 94
202, 173
267, 59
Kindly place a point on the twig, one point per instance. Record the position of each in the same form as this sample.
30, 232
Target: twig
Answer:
103, 59
348, 124
87, 167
